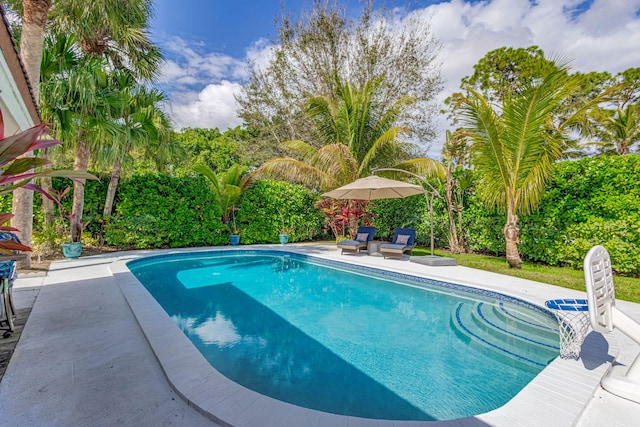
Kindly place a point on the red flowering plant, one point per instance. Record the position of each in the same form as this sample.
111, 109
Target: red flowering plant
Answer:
19, 172
340, 214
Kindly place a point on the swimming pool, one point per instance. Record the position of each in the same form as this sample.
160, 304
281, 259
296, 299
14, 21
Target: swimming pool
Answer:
298, 335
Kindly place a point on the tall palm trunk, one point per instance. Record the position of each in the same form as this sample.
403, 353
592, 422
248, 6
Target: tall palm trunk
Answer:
111, 190
31, 42
454, 244
34, 23
512, 238
81, 164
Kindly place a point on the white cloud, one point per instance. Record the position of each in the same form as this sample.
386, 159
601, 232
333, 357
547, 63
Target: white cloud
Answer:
602, 38
212, 107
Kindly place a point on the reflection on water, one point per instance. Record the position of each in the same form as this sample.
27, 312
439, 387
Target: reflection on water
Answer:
329, 340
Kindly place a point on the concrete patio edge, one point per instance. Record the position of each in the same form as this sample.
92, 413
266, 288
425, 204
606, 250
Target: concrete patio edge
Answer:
557, 396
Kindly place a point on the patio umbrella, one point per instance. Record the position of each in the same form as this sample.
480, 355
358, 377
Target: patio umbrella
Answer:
375, 187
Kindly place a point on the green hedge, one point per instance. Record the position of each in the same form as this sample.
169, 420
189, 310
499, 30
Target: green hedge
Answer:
590, 201
269, 205
154, 211
412, 212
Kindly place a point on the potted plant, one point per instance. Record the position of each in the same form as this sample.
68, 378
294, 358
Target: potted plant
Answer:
234, 237
285, 231
226, 188
71, 248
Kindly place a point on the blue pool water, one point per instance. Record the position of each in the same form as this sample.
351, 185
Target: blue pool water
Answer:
340, 341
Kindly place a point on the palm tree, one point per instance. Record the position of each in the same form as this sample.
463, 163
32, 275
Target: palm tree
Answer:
514, 148
115, 30
355, 137
454, 154
617, 130
227, 188
141, 123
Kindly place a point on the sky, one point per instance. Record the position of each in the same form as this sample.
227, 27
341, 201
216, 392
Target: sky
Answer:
207, 43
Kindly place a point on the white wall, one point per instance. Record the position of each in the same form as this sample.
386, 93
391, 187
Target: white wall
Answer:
14, 110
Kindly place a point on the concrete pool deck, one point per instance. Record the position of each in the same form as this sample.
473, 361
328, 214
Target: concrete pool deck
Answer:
85, 358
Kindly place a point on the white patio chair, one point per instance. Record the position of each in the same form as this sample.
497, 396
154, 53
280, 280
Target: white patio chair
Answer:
605, 317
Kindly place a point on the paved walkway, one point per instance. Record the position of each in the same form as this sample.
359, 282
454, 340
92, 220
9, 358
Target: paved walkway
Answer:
83, 360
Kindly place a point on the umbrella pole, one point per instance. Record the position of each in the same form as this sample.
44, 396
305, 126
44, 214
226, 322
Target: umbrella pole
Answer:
430, 204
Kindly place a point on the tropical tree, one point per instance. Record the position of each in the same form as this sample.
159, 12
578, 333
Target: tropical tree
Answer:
116, 32
31, 40
617, 130
356, 136
318, 46
514, 147
17, 171
141, 124
454, 156
227, 188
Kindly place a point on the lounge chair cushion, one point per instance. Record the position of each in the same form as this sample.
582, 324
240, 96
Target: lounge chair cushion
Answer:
392, 246
350, 243
362, 237
402, 239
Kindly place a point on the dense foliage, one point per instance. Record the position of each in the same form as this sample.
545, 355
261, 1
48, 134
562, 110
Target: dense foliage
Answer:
273, 207
590, 201
316, 45
154, 211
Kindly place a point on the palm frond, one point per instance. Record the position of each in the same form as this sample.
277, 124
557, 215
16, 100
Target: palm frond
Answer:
300, 148
292, 170
424, 167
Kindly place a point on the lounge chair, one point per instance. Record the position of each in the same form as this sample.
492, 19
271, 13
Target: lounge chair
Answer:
363, 236
403, 240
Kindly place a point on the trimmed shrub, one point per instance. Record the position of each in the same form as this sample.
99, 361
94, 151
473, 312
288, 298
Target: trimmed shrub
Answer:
269, 205
155, 211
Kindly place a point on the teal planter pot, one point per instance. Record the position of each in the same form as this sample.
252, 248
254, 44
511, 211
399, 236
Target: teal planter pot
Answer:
234, 239
284, 238
72, 250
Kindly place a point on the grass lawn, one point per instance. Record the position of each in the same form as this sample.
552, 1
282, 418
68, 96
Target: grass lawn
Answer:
627, 288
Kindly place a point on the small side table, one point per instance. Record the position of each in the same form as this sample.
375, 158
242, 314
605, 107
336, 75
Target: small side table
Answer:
373, 247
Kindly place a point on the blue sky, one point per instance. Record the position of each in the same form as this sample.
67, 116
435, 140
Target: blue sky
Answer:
207, 42
230, 26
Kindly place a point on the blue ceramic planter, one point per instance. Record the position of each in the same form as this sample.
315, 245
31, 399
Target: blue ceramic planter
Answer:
234, 239
72, 250
284, 238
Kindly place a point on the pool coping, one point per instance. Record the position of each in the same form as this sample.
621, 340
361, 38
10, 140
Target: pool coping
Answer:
557, 396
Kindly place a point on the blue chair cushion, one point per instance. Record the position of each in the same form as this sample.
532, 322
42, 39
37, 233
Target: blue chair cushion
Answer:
350, 243
392, 246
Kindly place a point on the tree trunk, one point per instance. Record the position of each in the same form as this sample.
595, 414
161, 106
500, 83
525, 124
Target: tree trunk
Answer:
47, 204
111, 190
512, 238
454, 244
34, 23
81, 164
31, 42
461, 242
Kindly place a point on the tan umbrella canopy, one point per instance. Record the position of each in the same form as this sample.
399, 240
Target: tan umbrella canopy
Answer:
375, 187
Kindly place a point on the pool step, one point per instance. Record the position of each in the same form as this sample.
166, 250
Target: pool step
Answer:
508, 331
